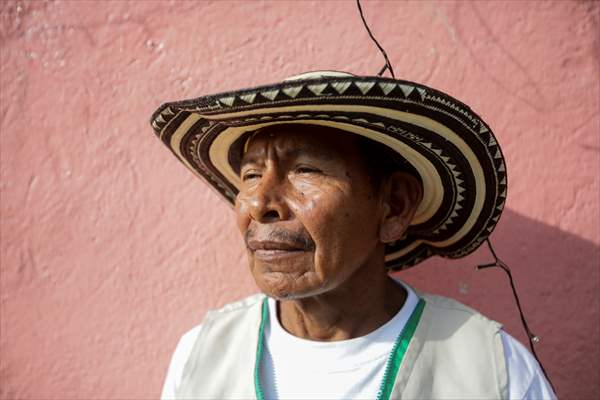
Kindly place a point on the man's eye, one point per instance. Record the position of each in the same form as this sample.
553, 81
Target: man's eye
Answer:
250, 175
303, 169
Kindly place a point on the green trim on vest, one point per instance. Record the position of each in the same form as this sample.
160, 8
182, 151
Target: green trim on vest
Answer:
259, 349
398, 352
392, 365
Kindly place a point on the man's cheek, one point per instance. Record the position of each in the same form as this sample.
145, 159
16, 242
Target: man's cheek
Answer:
242, 211
304, 196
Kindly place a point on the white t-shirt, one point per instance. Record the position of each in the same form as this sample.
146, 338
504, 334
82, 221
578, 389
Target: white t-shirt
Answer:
349, 368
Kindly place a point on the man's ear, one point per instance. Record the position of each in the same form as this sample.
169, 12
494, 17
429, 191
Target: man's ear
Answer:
402, 195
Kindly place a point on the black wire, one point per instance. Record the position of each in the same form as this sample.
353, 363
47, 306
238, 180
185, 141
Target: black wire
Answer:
387, 65
532, 338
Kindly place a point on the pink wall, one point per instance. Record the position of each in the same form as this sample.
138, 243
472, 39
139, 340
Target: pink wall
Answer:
111, 249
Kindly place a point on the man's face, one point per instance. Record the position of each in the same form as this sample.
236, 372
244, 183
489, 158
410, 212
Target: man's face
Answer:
307, 210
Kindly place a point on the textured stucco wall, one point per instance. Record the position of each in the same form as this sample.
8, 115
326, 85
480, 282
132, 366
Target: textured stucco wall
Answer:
110, 249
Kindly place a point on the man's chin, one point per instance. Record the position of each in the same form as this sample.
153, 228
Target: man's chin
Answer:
285, 285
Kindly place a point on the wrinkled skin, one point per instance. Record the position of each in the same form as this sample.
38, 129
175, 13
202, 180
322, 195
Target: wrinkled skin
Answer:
315, 226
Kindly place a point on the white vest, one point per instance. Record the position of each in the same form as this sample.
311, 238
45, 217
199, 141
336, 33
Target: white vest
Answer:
455, 353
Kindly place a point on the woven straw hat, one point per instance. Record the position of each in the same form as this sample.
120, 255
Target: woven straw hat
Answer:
454, 152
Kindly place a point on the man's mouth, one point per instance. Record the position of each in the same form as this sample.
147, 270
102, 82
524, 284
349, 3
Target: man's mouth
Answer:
277, 244
274, 251
269, 250
274, 246
278, 240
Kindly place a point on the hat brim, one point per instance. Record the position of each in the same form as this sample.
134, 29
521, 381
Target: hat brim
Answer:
454, 152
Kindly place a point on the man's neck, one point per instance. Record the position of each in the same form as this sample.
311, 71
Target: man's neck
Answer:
367, 301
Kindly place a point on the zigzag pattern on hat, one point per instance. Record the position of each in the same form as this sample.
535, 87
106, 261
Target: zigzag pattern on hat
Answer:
341, 87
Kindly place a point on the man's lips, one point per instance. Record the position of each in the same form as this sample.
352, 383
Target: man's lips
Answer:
274, 242
274, 246
273, 251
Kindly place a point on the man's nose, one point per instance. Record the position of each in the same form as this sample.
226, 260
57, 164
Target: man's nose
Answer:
268, 202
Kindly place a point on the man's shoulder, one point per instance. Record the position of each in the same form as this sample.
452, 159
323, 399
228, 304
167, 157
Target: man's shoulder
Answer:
235, 310
221, 336
448, 308
230, 309
240, 305
447, 303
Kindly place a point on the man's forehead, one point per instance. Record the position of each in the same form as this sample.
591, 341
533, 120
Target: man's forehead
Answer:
297, 140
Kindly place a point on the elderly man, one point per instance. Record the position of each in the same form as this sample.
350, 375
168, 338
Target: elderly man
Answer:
336, 180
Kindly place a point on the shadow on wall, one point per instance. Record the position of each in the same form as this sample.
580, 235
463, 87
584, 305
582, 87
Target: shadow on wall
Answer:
557, 275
